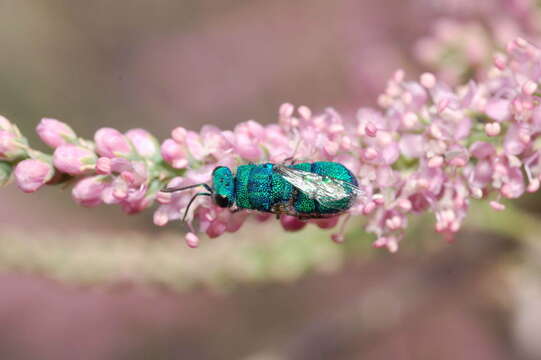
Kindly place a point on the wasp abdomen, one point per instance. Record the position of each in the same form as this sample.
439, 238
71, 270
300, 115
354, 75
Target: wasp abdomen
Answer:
260, 187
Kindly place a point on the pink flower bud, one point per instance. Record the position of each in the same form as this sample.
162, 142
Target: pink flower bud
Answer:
55, 133
410, 120
337, 238
493, 129
145, 144
32, 174
390, 242
179, 134
88, 191
371, 129
529, 87
305, 112
498, 109
247, 147
192, 240
174, 154
216, 228
4, 124
160, 218
286, 110
10, 149
428, 80
497, 206
103, 166
111, 143
291, 223
500, 61
435, 162
74, 160
163, 197
370, 154
369, 207
533, 186
327, 223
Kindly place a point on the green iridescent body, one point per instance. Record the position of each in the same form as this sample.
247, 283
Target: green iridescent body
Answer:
261, 187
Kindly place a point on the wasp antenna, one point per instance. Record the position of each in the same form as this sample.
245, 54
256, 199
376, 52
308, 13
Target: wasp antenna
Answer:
180, 188
191, 201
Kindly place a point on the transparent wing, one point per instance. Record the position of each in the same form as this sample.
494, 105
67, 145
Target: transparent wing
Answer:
328, 191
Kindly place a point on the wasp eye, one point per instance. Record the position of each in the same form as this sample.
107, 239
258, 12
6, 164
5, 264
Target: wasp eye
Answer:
221, 200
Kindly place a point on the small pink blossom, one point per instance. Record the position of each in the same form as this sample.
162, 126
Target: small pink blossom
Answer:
74, 160
32, 174
55, 133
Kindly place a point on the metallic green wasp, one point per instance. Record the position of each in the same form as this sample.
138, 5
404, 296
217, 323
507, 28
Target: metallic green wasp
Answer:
306, 190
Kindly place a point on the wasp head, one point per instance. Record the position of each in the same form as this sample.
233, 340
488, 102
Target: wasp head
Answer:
223, 187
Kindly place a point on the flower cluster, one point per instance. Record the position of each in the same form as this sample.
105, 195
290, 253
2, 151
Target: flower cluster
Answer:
429, 147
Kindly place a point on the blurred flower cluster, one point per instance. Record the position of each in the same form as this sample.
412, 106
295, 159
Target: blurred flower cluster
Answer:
429, 148
465, 34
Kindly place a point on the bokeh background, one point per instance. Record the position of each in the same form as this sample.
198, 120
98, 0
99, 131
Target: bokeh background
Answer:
96, 284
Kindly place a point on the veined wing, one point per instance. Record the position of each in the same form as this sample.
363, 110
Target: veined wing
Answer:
328, 191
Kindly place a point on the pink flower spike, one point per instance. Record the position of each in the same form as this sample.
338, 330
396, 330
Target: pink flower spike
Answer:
88, 191
145, 144
32, 174
291, 223
112, 143
191, 240
55, 133
74, 160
